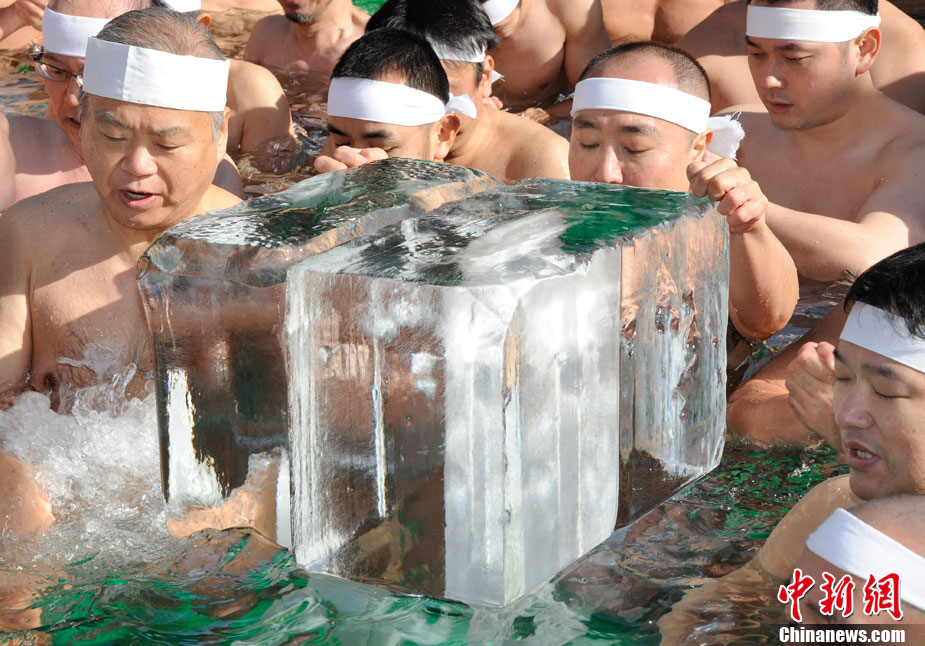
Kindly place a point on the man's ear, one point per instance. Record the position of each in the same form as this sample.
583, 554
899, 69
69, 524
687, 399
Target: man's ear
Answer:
488, 66
444, 135
699, 147
867, 46
222, 139
204, 19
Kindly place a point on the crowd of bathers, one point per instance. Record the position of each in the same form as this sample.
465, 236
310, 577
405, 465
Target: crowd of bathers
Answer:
800, 119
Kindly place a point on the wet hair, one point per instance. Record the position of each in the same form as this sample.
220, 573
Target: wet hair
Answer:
870, 7
163, 5
386, 52
167, 31
896, 284
113, 6
460, 24
690, 77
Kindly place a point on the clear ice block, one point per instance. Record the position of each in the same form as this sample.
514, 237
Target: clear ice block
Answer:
214, 295
474, 397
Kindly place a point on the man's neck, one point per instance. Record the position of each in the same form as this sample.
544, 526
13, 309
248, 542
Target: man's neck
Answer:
861, 115
470, 144
336, 18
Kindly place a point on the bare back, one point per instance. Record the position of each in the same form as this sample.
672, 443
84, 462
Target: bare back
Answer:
547, 51
718, 43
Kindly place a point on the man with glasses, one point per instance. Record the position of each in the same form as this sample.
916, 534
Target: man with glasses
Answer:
41, 154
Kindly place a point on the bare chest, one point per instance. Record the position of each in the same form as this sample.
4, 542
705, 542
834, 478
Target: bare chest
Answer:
87, 323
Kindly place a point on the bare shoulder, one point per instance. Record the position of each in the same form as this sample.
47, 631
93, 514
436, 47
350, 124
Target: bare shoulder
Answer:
48, 218
32, 131
217, 198
268, 30
252, 83
360, 18
898, 23
784, 546
574, 14
535, 150
721, 33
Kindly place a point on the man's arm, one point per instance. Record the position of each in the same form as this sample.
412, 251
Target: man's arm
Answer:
763, 286
771, 567
254, 51
15, 317
585, 36
7, 165
262, 107
19, 14
891, 219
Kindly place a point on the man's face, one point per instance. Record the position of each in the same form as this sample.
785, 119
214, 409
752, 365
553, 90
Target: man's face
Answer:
880, 408
630, 149
63, 96
412, 142
150, 165
802, 84
304, 11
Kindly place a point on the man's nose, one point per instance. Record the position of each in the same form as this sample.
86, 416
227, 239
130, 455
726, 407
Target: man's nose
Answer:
851, 407
74, 85
608, 168
770, 76
139, 162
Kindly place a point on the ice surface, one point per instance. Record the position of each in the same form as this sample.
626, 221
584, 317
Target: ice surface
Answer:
459, 427
214, 295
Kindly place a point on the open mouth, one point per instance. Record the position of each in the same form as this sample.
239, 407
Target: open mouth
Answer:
136, 199
135, 195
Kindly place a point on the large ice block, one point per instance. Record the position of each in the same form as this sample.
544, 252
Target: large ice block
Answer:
461, 422
214, 295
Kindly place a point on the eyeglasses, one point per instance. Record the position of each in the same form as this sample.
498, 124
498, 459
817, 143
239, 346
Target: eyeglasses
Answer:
52, 73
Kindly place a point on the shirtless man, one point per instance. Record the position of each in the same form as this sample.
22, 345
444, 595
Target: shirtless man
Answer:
666, 21
719, 44
57, 138
311, 36
388, 98
507, 146
260, 115
68, 257
628, 113
879, 537
879, 406
841, 164
545, 45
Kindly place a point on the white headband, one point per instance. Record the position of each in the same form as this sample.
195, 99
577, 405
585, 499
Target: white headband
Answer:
886, 334
67, 35
662, 102
392, 103
448, 53
182, 6
152, 77
807, 24
850, 544
498, 10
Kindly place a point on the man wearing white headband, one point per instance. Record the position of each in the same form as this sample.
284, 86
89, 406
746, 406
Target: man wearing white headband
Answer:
840, 163
311, 36
389, 97
879, 537
545, 45
154, 128
879, 405
717, 43
46, 152
640, 118
509, 147
260, 118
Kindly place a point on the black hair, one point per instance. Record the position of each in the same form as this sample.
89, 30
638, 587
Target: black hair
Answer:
690, 77
385, 52
896, 284
460, 24
870, 7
